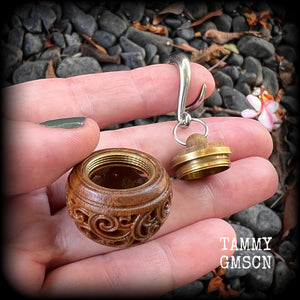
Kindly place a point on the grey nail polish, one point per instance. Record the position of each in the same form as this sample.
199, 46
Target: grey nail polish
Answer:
66, 123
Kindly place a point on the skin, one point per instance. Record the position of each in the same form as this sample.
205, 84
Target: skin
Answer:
44, 253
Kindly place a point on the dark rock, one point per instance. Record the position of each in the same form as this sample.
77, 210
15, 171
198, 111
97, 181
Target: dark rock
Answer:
114, 67
223, 22
51, 53
288, 52
290, 34
73, 66
239, 24
32, 44
172, 22
198, 44
282, 278
129, 46
235, 59
261, 278
116, 49
222, 79
33, 25
234, 99
189, 290
112, 23
287, 250
58, 39
232, 71
104, 38
16, 37
253, 65
230, 6
150, 52
262, 220
206, 26
30, 70
133, 9
71, 50
73, 39
214, 99
45, 13
256, 47
270, 81
248, 77
197, 9
242, 232
11, 58
142, 38
187, 34
133, 59
243, 87
82, 22
291, 104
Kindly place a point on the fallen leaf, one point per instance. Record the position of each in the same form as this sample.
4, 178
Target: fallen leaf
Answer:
87, 50
158, 30
290, 215
231, 47
202, 20
50, 73
214, 284
48, 42
89, 39
227, 292
251, 18
221, 37
174, 8
185, 47
209, 54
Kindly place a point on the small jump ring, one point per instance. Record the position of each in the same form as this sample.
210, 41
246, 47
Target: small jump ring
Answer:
192, 119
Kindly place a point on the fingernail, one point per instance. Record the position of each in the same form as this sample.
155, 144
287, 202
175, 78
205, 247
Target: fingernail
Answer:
66, 123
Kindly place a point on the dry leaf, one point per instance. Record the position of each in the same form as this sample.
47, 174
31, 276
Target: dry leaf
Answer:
158, 30
185, 47
221, 37
209, 54
290, 215
214, 284
202, 20
50, 73
87, 50
89, 39
253, 19
174, 8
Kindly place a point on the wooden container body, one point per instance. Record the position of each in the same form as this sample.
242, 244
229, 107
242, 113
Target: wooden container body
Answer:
127, 210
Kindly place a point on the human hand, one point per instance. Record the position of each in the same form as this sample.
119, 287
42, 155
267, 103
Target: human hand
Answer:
44, 253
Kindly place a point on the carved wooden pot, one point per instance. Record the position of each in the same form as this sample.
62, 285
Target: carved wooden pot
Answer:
119, 197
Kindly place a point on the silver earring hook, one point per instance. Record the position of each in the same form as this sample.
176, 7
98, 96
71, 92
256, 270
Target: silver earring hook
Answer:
183, 117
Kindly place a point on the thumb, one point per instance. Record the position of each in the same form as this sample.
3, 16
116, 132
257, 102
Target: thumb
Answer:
37, 154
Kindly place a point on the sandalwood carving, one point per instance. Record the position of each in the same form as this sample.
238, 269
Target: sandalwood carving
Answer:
130, 207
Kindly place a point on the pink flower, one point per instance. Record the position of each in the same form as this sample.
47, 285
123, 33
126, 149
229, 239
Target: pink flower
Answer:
265, 108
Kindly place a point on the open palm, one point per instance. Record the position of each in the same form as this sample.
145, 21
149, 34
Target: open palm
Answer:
44, 253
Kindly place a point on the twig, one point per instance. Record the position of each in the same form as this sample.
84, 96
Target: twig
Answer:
218, 63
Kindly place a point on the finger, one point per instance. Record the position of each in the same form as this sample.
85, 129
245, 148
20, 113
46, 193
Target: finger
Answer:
150, 269
248, 182
157, 139
245, 138
37, 155
108, 98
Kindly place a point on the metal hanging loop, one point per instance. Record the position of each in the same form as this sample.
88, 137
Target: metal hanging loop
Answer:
183, 117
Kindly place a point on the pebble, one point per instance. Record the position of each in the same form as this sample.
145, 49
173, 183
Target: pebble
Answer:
287, 250
73, 66
112, 23
188, 291
129, 46
104, 38
32, 44
256, 47
214, 99
282, 278
30, 70
133, 59
253, 65
11, 57
291, 104
45, 13
222, 79
234, 99
82, 22
262, 220
270, 82
133, 9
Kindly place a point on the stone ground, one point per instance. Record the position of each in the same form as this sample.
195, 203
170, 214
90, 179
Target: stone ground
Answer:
51, 39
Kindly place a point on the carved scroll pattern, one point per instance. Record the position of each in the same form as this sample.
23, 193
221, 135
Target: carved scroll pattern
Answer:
120, 231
